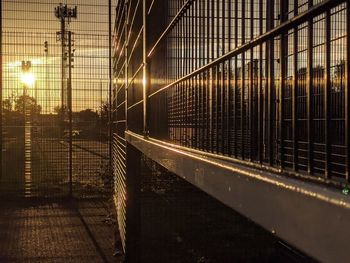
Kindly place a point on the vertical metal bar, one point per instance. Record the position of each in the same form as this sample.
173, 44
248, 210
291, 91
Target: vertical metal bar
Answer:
242, 82
1, 89
295, 92
144, 73
214, 82
224, 91
309, 93
218, 87
250, 104
110, 121
177, 53
133, 208
251, 88
126, 46
70, 115
260, 104
195, 90
327, 94
211, 53
283, 46
271, 78
347, 97
229, 89
235, 82
186, 82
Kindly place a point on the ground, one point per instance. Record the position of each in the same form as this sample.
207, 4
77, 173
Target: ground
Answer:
57, 231
50, 167
180, 224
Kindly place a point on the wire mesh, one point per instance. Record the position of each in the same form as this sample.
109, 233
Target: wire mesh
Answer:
280, 102
65, 136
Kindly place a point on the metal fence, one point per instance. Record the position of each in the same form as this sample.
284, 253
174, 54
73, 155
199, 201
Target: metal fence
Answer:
263, 83
55, 107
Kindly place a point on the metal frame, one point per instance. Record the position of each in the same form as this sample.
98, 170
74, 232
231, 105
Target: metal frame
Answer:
201, 113
301, 214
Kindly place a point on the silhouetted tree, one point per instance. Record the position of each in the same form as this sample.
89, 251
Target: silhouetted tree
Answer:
87, 115
28, 102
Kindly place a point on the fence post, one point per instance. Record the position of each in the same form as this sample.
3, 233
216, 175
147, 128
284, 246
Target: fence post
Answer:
1, 89
110, 119
145, 79
133, 212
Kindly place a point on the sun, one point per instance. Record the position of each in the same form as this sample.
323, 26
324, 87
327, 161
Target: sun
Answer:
28, 79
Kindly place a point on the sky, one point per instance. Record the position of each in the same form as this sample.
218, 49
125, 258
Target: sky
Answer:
27, 24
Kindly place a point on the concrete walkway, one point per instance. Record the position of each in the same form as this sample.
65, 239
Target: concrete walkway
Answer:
56, 231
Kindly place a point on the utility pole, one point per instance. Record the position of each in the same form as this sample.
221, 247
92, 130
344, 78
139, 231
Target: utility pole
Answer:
47, 89
65, 14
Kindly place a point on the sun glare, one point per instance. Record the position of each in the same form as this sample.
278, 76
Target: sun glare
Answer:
28, 79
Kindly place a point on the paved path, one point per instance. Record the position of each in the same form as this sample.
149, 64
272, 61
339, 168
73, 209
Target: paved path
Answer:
46, 231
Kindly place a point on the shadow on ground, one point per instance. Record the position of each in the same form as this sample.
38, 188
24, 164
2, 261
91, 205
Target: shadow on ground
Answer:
180, 223
57, 231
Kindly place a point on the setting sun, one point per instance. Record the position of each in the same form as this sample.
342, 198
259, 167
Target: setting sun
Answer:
28, 79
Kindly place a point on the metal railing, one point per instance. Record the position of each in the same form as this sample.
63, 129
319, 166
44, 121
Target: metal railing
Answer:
263, 83
260, 81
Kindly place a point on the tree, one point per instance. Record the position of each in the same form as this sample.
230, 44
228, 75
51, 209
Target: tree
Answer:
87, 115
104, 113
28, 102
7, 105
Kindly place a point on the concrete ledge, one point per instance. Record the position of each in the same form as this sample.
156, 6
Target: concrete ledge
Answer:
312, 218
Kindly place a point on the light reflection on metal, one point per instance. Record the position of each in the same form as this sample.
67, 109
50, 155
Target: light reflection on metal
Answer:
249, 102
273, 201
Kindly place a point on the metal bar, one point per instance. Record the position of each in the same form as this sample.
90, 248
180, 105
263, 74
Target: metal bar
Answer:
283, 47
235, 81
229, 89
1, 91
240, 188
126, 47
223, 135
327, 94
133, 207
173, 22
110, 87
145, 79
309, 93
347, 96
295, 92
243, 83
271, 79
212, 70
260, 89
251, 88
196, 89
297, 20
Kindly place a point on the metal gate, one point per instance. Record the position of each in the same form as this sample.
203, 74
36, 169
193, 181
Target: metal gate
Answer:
55, 97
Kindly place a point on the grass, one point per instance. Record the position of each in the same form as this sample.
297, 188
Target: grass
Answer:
50, 166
